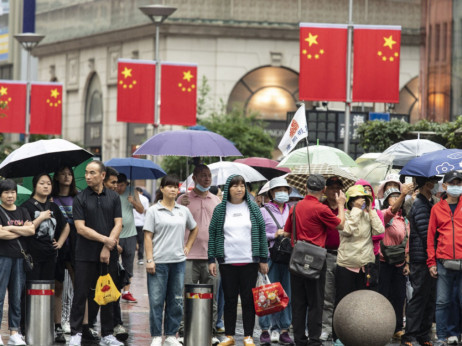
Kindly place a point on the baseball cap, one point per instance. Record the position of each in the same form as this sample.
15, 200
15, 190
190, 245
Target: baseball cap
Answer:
452, 175
315, 182
334, 180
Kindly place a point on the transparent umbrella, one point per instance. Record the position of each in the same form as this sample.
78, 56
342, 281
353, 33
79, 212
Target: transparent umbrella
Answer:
319, 154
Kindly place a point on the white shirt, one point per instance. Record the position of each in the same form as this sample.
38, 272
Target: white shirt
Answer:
238, 233
139, 218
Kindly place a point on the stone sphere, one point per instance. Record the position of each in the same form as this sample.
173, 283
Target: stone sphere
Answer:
364, 318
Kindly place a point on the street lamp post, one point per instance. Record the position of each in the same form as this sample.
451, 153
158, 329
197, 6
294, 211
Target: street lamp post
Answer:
157, 14
28, 41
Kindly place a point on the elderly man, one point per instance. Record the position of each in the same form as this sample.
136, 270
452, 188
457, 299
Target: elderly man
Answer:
312, 220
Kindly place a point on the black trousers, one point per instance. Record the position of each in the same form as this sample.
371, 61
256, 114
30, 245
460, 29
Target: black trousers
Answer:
86, 275
140, 241
420, 310
307, 295
392, 284
239, 281
347, 281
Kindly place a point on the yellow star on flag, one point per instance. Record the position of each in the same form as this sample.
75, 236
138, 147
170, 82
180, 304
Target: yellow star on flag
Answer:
187, 76
54, 93
389, 42
127, 72
3, 91
311, 39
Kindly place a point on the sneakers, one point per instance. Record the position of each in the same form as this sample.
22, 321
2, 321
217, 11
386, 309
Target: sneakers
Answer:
129, 298
76, 340
285, 339
274, 336
140, 262
120, 333
110, 340
228, 341
265, 338
59, 336
398, 335
338, 343
453, 340
221, 330
1, 341
89, 334
411, 343
324, 336
171, 341
440, 343
66, 328
156, 341
248, 341
16, 339
215, 340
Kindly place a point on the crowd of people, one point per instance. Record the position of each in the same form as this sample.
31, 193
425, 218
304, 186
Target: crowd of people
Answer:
403, 243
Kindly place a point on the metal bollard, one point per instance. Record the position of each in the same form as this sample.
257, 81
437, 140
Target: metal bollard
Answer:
198, 314
40, 304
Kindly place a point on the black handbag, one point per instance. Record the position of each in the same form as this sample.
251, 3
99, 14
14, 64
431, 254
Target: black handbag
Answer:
282, 248
28, 262
307, 259
394, 254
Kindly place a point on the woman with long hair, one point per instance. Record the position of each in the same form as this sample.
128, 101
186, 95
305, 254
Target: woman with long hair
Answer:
51, 232
237, 240
164, 232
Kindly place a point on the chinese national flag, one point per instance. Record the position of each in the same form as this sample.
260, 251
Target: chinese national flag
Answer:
178, 94
13, 106
376, 63
323, 51
135, 91
46, 108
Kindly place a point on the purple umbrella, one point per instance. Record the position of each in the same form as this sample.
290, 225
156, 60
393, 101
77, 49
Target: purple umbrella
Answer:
188, 143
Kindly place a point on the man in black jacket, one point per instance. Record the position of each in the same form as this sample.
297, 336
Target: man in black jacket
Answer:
421, 307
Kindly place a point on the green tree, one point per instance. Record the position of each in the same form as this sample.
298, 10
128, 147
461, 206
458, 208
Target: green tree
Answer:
376, 136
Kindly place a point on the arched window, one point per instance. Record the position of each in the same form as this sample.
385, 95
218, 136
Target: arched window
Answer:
94, 116
270, 90
409, 98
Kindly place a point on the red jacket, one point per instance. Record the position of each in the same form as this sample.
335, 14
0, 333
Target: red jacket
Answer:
444, 229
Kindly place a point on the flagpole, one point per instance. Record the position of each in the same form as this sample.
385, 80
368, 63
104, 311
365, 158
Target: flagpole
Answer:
346, 138
308, 154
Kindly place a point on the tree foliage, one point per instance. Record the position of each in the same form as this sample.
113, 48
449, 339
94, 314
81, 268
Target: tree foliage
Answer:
376, 136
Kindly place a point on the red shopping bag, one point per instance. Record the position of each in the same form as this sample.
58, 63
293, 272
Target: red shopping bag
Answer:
269, 298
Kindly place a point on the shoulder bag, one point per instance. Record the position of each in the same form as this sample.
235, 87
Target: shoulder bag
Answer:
394, 254
307, 259
282, 248
28, 260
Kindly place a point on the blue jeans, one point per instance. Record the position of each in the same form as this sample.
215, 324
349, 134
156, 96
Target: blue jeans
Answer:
281, 320
13, 277
447, 281
220, 306
165, 286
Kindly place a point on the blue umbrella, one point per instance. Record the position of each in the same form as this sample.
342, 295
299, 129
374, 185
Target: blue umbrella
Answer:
136, 169
435, 163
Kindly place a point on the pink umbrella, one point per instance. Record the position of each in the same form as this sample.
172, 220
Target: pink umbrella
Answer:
267, 167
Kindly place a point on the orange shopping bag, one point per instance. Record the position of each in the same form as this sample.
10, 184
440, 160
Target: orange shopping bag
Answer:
269, 298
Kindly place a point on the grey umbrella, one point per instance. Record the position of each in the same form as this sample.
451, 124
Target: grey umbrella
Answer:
402, 152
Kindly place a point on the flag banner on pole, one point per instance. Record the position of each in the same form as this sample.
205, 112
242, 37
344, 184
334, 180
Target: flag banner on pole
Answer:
13, 106
178, 94
323, 55
135, 91
46, 108
298, 129
376, 63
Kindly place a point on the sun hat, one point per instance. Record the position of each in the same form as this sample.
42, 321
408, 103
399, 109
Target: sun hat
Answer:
278, 182
388, 179
390, 192
356, 191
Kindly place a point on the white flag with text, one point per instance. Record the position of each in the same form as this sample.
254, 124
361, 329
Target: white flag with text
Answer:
298, 129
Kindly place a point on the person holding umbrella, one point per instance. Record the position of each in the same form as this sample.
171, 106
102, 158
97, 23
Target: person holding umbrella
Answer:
237, 240
166, 251
15, 226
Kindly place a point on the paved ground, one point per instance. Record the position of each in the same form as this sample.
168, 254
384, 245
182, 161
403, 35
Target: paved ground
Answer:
136, 316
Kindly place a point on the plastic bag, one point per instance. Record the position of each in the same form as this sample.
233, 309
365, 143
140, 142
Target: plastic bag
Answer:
106, 291
269, 298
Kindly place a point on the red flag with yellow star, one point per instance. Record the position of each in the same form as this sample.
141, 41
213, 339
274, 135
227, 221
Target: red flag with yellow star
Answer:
178, 94
323, 51
46, 108
376, 63
12, 106
135, 91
